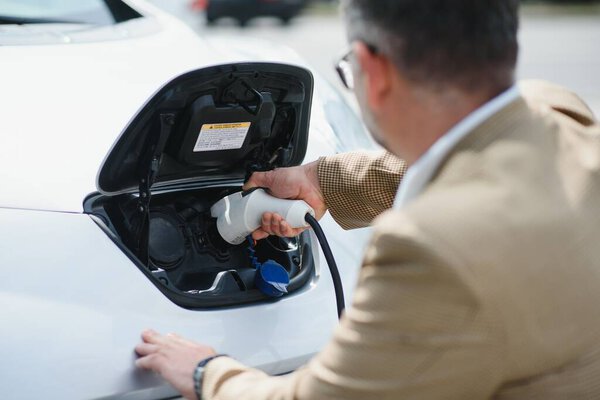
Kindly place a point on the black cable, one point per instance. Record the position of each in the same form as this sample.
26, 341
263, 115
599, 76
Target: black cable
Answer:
335, 273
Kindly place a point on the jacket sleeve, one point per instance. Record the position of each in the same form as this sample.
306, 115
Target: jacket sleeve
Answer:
359, 186
416, 330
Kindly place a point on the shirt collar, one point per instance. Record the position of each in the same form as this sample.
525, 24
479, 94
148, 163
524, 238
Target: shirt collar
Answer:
420, 173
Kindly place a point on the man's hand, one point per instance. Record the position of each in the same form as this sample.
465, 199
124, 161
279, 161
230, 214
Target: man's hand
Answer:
296, 183
173, 357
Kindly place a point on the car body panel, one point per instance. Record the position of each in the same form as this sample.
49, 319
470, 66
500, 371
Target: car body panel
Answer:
72, 315
127, 72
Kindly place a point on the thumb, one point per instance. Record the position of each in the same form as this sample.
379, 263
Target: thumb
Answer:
259, 179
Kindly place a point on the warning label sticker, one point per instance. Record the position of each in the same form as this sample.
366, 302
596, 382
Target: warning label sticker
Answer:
214, 137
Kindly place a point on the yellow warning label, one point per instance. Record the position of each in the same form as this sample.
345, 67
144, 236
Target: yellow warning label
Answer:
226, 136
236, 125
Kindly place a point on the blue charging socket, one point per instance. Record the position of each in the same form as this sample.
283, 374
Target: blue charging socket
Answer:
271, 278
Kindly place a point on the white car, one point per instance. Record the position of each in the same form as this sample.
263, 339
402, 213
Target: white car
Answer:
107, 173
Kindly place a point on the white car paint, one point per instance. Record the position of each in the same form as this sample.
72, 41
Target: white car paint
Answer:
71, 315
55, 135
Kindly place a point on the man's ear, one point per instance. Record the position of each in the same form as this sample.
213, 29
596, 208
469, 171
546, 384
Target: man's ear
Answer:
377, 73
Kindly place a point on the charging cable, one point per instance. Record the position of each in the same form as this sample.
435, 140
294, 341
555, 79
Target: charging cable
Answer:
335, 273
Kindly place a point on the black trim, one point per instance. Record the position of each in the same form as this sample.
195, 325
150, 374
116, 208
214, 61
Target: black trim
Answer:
120, 11
206, 301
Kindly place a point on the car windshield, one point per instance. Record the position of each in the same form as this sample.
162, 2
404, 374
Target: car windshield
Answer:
95, 12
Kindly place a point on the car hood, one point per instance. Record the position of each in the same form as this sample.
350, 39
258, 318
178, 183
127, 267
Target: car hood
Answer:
63, 106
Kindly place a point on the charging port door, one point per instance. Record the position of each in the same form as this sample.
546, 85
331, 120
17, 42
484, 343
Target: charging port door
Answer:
223, 121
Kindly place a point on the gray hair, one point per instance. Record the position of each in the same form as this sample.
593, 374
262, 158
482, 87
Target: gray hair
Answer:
464, 43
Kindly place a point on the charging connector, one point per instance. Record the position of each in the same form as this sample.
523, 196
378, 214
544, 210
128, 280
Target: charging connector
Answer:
239, 214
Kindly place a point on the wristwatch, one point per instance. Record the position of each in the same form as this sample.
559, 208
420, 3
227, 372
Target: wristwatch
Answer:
199, 374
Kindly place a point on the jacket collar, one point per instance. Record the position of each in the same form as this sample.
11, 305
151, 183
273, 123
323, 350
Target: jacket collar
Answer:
423, 170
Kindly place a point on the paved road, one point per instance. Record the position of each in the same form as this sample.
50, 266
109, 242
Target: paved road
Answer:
562, 46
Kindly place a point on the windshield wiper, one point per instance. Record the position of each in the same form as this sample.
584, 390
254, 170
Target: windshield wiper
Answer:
10, 20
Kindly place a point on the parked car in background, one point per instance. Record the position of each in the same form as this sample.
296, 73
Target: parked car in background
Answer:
86, 90
244, 10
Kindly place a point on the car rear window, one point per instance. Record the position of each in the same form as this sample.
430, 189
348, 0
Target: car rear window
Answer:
95, 12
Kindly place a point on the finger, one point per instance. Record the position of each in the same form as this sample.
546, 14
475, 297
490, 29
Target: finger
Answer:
282, 228
259, 179
151, 362
286, 230
259, 234
276, 224
144, 349
151, 336
253, 182
266, 222
173, 336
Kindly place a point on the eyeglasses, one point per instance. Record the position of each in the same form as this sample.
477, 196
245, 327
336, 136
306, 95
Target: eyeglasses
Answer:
344, 70
344, 67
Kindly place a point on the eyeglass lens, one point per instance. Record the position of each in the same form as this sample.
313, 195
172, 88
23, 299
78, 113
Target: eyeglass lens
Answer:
345, 71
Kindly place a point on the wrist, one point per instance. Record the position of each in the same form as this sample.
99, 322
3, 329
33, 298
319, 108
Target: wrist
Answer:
199, 374
312, 174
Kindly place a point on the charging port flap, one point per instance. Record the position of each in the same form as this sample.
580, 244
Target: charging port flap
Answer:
224, 122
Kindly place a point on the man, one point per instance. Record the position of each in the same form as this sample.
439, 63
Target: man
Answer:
483, 281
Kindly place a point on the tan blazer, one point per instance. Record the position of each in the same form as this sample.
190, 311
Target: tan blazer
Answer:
485, 286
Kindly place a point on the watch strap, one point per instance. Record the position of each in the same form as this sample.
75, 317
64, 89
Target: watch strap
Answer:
199, 374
